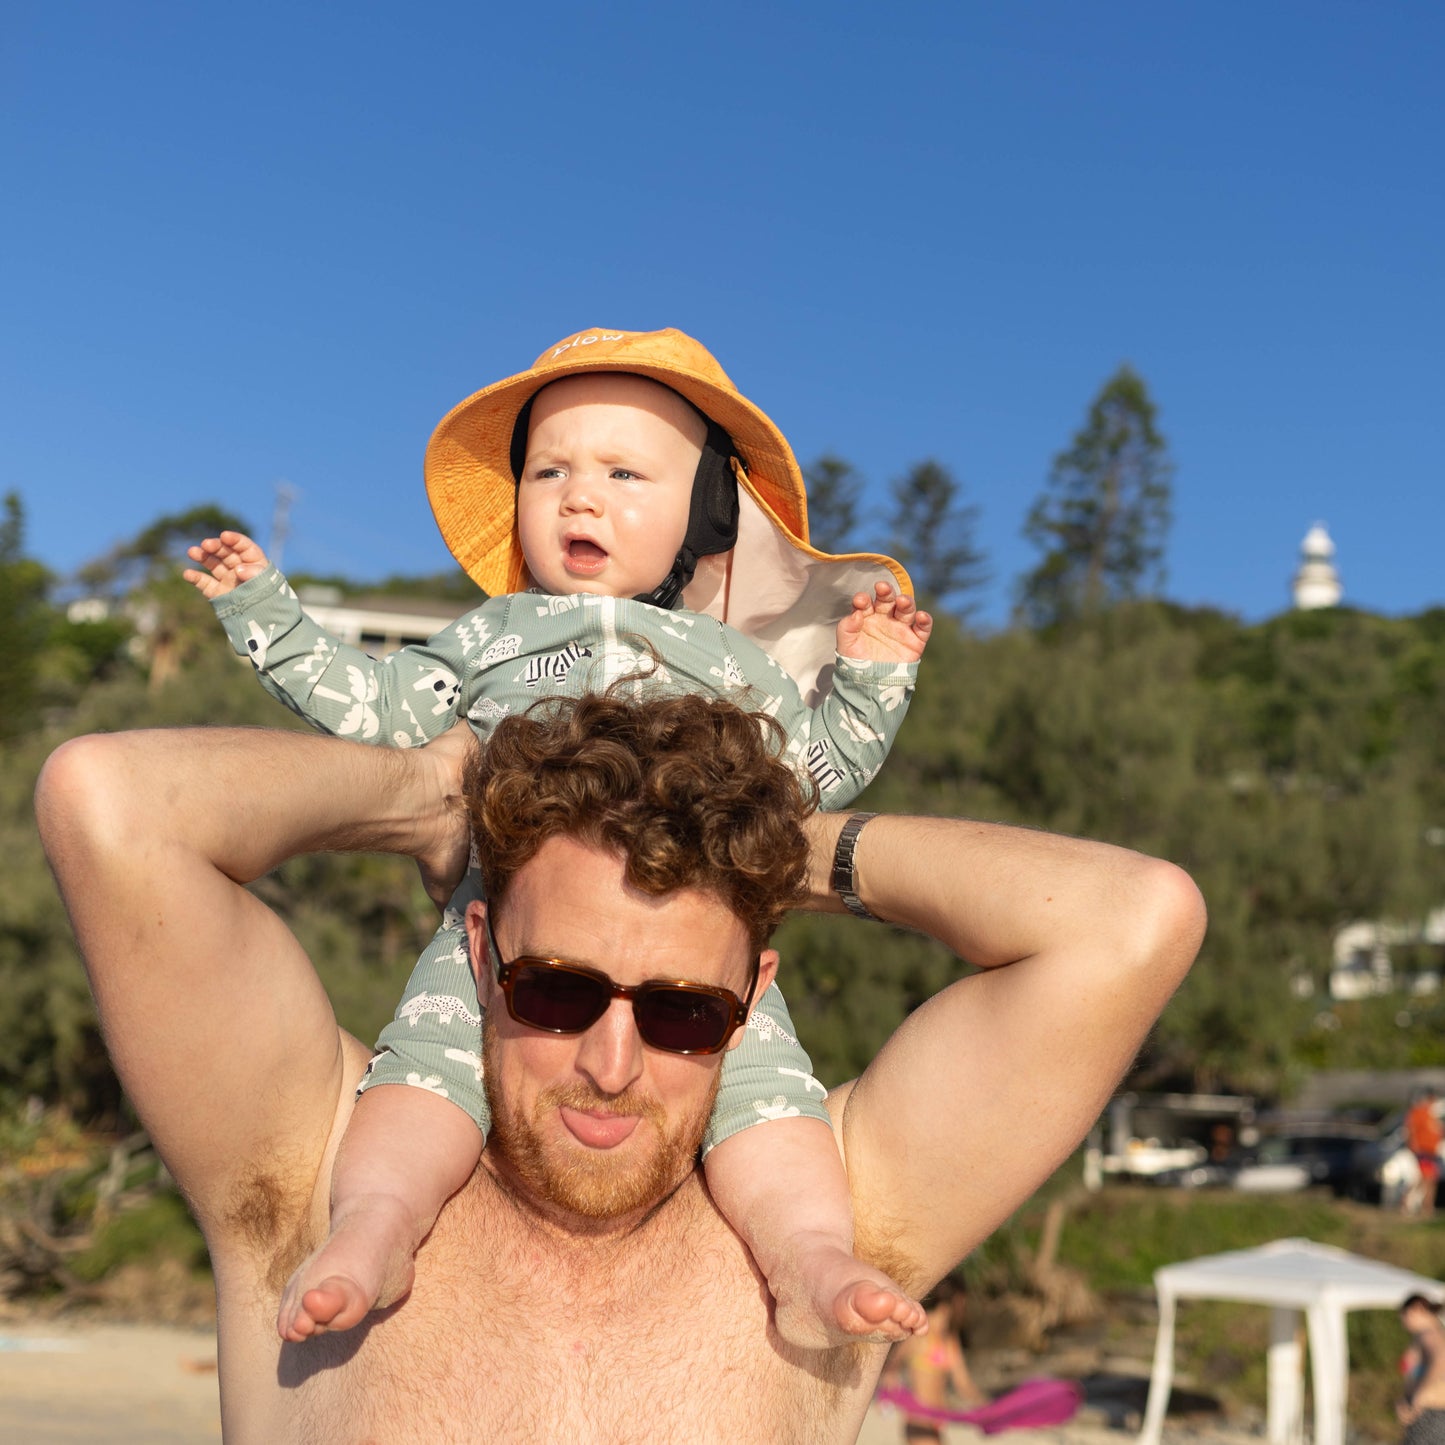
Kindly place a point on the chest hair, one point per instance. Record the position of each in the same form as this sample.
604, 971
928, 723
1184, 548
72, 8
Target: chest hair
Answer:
515, 1333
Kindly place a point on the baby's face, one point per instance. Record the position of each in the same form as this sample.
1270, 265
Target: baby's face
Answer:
604, 497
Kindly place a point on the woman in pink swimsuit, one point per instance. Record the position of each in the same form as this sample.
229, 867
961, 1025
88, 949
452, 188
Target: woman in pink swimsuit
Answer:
927, 1365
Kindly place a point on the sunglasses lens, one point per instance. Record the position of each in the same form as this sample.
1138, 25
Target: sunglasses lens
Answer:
681, 1021
557, 999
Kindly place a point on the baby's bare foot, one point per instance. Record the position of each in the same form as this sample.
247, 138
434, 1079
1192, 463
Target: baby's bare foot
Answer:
828, 1297
879, 1311
365, 1264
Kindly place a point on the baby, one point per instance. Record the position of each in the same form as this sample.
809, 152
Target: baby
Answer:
620, 475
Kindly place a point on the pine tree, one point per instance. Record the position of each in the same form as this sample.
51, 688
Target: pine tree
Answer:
171, 622
1102, 521
24, 621
933, 536
833, 486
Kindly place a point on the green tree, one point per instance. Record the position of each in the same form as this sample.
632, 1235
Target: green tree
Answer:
933, 536
155, 551
833, 487
452, 585
174, 625
1102, 521
25, 619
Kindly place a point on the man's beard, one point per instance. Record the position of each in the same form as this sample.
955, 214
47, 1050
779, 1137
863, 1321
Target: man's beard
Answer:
592, 1183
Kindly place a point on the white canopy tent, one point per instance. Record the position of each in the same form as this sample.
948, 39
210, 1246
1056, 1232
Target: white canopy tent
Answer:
1297, 1279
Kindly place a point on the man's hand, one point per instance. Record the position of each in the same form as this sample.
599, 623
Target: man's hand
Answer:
443, 842
886, 627
227, 560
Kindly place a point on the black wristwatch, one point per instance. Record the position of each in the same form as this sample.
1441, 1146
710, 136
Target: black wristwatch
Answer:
845, 876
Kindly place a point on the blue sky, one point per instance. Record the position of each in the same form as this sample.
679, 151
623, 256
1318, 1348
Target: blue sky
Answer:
265, 243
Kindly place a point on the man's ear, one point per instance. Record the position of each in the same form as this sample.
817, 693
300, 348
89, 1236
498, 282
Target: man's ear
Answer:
476, 922
767, 972
768, 961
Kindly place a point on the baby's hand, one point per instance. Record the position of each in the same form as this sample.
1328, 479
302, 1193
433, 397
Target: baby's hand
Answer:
228, 560
887, 627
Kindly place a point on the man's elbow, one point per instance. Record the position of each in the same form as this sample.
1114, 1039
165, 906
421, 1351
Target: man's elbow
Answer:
78, 803
1168, 922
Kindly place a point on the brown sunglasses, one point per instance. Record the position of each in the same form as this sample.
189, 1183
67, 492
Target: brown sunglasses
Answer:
568, 998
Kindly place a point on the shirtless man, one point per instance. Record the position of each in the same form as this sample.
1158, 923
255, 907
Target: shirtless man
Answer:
1422, 1410
582, 1286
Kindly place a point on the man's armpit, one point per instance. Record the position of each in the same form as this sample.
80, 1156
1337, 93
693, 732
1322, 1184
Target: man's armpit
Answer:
269, 1218
878, 1231
882, 1247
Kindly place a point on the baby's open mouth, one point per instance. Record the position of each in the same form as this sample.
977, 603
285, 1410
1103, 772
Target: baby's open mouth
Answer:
579, 549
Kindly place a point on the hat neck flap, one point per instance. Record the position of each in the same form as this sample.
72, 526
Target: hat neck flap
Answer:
785, 597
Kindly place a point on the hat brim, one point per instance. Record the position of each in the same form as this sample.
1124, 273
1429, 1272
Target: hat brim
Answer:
773, 585
469, 474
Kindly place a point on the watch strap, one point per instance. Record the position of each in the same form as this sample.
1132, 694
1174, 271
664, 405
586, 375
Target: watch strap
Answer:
845, 873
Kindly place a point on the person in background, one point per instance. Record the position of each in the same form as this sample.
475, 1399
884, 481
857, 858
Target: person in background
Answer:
1422, 1138
1421, 1409
928, 1366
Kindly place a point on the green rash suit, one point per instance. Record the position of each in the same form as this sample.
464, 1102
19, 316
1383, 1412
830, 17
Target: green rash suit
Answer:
498, 660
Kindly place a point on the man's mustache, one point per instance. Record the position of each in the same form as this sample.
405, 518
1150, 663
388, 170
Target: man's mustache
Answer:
582, 1097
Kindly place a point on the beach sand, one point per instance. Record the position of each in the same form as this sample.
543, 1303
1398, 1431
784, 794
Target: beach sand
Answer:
76, 1383
117, 1384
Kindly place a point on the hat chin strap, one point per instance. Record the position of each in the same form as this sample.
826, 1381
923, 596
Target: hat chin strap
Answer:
667, 592
712, 522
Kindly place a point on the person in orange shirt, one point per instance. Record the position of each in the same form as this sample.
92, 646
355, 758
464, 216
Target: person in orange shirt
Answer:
1422, 1137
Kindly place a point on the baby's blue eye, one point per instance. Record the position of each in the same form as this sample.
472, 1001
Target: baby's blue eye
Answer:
623, 475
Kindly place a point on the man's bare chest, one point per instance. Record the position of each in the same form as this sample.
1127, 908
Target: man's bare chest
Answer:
665, 1336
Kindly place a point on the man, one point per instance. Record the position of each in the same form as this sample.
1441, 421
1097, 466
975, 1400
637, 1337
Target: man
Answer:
1422, 1409
582, 1286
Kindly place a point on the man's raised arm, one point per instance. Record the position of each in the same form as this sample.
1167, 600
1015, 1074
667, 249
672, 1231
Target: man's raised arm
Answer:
987, 1087
219, 1028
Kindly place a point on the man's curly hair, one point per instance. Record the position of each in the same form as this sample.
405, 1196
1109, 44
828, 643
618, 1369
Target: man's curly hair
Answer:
690, 790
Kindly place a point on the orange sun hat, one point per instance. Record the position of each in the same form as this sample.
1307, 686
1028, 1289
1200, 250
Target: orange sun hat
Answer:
766, 586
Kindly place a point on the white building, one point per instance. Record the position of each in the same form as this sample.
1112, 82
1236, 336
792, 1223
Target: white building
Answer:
379, 623
1317, 583
1363, 968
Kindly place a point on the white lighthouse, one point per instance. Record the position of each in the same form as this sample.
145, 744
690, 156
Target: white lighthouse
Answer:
1317, 583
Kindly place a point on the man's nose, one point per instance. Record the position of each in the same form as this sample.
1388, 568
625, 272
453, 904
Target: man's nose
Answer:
611, 1050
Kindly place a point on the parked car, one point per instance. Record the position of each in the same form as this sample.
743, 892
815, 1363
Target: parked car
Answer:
1279, 1164
1288, 1162
1204, 1174
1383, 1170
